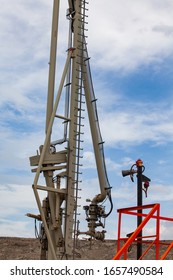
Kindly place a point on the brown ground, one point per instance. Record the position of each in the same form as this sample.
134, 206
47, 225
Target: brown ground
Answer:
12, 248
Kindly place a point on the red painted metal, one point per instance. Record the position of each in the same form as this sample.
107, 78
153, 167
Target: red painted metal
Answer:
123, 250
167, 251
154, 213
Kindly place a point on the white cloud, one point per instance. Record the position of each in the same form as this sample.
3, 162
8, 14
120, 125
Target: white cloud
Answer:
25, 43
88, 160
17, 197
16, 148
16, 201
127, 33
16, 228
166, 230
161, 192
122, 35
145, 125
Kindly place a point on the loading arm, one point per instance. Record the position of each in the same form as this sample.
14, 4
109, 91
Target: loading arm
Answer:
71, 5
94, 211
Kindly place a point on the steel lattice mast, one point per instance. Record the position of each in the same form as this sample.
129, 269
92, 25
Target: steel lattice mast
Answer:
58, 211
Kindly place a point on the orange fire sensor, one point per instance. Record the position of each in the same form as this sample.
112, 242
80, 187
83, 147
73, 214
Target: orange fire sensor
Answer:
139, 162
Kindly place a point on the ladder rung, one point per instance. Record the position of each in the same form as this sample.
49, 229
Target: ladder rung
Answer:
79, 70
77, 156
80, 88
79, 109
79, 78
84, 16
82, 28
78, 132
81, 20
82, 42
83, 7
80, 125
77, 140
81, 49
83, 102
77, 148
79, 64
76, 182
84, 36
84, 2
77, 164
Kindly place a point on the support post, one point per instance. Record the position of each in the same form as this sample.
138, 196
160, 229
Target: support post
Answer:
52, 62
139, 165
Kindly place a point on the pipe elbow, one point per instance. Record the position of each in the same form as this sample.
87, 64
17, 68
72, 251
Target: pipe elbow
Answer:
99, 198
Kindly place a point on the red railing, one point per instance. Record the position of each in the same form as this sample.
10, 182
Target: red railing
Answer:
154, 213
167, 251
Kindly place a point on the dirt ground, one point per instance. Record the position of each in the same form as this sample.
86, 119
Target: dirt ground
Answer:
13, 248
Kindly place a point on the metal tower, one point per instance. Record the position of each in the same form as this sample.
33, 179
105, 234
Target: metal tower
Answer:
61, 167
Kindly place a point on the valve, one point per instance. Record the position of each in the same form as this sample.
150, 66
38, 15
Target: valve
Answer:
94, 215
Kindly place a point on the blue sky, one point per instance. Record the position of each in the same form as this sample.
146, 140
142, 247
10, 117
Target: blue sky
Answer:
130, 44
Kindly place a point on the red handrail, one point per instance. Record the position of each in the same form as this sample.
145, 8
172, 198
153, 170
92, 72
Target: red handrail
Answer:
167, 252
123, 250
153, 214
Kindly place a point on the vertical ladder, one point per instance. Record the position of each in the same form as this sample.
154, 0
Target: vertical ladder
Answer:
80, 102
75, 126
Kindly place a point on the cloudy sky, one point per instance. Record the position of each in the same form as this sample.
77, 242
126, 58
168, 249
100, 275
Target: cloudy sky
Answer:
130, 43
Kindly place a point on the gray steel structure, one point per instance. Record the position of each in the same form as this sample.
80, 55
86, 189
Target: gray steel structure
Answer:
58, 211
